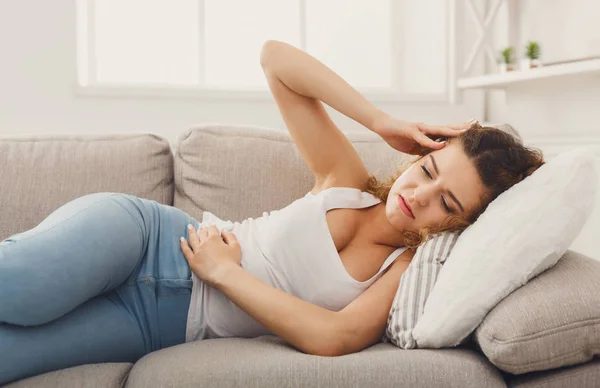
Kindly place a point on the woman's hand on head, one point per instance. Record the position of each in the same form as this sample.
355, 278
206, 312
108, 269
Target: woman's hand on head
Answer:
211, 254
414, 138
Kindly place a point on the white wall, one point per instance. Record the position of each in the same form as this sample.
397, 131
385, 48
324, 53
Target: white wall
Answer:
38, 75
566, 29
561, 113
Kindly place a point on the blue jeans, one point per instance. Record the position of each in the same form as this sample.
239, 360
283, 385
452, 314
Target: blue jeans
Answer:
101, 279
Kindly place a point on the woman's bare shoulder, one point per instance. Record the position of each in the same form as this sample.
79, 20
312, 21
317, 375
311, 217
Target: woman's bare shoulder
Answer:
402, 259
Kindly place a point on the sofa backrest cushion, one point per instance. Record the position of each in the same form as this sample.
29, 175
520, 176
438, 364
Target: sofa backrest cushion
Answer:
41, 172
236, 171
553, 321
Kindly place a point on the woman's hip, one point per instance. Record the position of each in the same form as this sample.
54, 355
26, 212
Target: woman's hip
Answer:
158, 292
162, 225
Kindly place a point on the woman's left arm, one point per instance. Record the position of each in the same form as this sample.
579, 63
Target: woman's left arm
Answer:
308, 327
216, 260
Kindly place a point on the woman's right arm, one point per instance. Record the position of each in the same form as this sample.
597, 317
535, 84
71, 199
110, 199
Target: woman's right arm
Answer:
299, 83
309, 77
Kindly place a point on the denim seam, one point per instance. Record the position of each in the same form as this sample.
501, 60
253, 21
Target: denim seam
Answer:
139, 260
144, 279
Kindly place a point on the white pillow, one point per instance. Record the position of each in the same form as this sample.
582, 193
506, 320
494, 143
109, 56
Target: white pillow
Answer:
523, 232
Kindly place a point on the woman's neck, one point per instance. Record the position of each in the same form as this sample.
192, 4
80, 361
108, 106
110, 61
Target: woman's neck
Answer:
376, 228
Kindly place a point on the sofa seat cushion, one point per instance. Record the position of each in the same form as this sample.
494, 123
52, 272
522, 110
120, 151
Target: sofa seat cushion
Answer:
585, 375
106, 375
551, 322
41, 172
268, 361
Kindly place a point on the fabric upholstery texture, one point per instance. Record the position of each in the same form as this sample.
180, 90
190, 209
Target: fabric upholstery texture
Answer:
41, 172
581, 376
268, 361
109, 375
553, 321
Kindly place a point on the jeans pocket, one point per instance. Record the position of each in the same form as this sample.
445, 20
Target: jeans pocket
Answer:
172, 308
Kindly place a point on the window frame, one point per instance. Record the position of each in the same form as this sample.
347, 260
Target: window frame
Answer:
87, 86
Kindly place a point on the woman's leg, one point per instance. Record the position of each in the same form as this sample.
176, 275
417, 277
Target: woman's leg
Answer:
86, 247
100, 330
123, 246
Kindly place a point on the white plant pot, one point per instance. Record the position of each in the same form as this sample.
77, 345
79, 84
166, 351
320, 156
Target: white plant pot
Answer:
528, 64
505, 67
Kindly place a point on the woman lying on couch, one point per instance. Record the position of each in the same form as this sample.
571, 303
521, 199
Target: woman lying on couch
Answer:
106, 278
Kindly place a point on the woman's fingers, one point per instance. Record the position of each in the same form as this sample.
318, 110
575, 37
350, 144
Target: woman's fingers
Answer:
463, 126
185, 247
208, 231
422, 139
213, 231
193, 236
447, 130
229, 238
440, 131
203, 234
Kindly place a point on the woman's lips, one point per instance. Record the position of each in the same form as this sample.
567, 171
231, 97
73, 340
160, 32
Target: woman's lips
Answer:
404, 208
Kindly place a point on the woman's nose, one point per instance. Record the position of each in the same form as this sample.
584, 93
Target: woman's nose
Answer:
422, 195
416, 200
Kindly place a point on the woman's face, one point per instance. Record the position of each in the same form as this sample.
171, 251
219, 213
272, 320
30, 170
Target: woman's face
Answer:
428, 195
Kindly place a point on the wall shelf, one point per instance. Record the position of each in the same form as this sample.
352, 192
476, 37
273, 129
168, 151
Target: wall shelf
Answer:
501, 81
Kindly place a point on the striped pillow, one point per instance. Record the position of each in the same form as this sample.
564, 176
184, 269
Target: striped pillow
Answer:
415, 286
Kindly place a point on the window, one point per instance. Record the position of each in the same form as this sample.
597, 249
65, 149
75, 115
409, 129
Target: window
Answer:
378, 46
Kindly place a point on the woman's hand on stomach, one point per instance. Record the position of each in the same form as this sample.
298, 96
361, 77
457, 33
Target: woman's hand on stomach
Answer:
211, 254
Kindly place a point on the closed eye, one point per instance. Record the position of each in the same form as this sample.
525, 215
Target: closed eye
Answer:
444, 204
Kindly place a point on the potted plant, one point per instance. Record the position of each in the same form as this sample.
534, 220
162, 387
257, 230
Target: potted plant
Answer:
507, 60
532, 56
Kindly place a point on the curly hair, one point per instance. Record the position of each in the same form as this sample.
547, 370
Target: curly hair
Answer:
501, 161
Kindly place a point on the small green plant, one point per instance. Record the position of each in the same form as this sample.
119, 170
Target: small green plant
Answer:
532, 50
507, 55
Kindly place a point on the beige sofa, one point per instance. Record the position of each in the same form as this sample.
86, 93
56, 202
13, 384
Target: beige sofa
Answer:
544, 334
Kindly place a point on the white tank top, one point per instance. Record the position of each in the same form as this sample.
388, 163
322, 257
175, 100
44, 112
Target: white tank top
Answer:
290, 249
